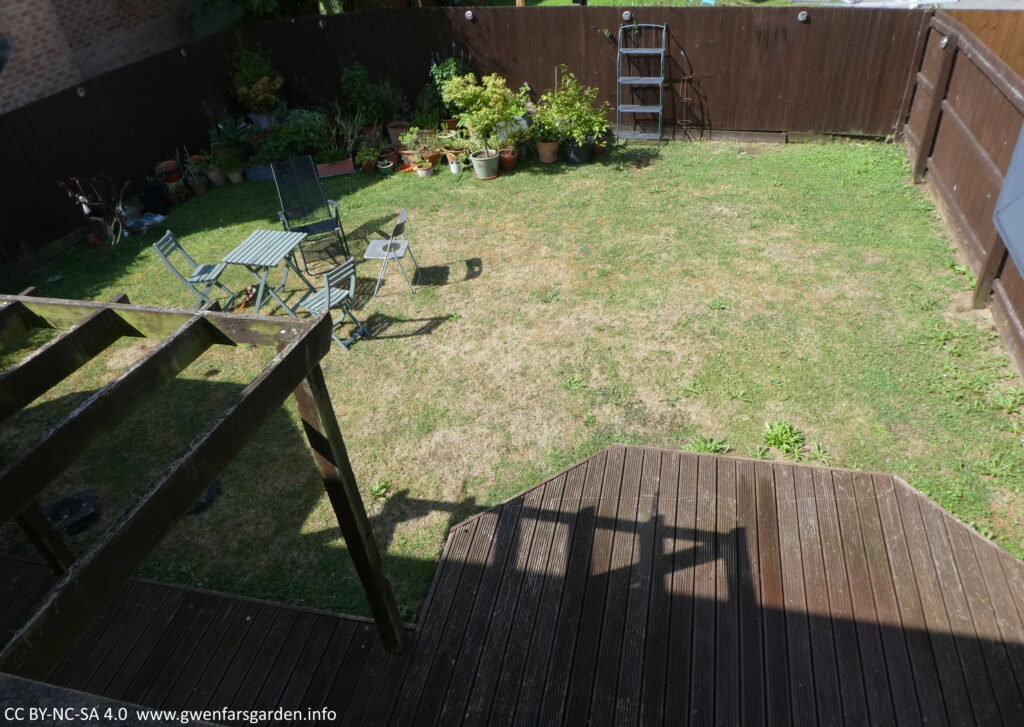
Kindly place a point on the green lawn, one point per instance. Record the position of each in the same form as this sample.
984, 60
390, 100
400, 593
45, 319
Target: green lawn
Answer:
664, 296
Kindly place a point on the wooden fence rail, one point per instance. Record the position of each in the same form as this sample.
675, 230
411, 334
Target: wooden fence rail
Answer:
753, 69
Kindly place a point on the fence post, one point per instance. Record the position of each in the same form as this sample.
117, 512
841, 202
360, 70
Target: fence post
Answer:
993, 262
931, 127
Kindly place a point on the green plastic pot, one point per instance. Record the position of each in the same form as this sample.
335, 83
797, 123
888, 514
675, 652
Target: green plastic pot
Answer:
484, 166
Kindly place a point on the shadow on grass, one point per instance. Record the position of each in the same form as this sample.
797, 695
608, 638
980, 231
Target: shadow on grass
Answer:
255, 538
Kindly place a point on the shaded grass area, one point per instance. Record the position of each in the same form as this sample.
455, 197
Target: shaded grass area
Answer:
677, 296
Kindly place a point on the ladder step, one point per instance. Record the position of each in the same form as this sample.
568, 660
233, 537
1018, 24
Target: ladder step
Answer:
648, 135
641, 80
641, 51
639, 109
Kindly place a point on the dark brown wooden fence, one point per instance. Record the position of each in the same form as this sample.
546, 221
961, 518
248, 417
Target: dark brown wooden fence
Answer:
126, 122
1001, 30
753, 69
967, 111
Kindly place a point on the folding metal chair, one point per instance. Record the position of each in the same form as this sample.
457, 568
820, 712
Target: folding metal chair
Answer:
305, 208
394, 248
334, 294
202, 279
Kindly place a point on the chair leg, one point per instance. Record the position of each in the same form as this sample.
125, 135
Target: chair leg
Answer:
416, 266
380, 275
404, 275
344, 240
360, 328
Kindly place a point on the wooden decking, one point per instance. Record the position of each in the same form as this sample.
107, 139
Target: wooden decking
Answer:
641, 586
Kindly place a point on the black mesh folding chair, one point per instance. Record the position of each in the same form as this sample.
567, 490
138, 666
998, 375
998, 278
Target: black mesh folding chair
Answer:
304, 208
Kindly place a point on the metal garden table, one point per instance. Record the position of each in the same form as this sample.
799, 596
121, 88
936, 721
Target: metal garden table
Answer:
264, 250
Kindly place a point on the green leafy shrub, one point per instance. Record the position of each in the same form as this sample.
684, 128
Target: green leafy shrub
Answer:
707, 445
361, 93
485, 105
573, 110
303, 132
440, 73
257, 84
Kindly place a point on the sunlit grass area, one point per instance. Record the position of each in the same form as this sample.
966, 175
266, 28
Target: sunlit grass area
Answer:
678, 296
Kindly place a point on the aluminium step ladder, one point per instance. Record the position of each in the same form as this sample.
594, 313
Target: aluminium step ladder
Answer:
640, 70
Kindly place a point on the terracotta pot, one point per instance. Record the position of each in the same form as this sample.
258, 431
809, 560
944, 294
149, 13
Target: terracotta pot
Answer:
598, 148
334, 168
453, 155
198, 188
396, 129
547, 151
450, 124
507, 158
390, 153
369, 166
409, 156
434, 157
235, 177
216, 175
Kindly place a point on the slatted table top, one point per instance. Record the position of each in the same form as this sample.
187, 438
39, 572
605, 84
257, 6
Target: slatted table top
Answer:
265, 248
641, 586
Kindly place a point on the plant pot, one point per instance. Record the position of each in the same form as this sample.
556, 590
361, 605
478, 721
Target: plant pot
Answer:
236, 177
369, 166
408, 156
577, 154
453, 155
450, 124
396, 129
386, 166
421, 172
259, 171
433, 156
507, 159
199, 188
333, 169
390, 153
216, 175
547, 152
485, 164
455, 167
598, 148
262, 121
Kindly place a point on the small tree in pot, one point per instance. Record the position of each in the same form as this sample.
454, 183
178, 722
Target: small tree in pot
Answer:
483, 107
577, 114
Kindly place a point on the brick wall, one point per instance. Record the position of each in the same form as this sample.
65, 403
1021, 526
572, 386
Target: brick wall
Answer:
59, 43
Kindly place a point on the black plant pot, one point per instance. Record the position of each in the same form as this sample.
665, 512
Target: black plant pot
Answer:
578, 154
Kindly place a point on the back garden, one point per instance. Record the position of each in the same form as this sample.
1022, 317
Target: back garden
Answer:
560, 311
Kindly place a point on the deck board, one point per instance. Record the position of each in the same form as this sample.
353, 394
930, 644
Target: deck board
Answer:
641, 586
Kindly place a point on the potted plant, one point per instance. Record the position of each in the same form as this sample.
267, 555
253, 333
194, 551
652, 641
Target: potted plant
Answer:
367, 158
332, 162
440, 72
430, 146
361, 95
455, 147
169, 171
195, 168
385, 166
230, 160
424, 167
482, 107
456, 161
409, 144
389, 152
579, 117
257, 84
303, 132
